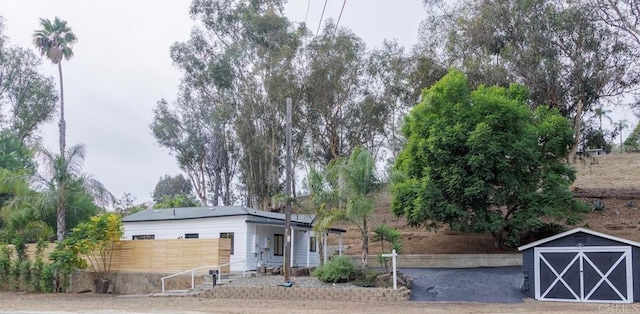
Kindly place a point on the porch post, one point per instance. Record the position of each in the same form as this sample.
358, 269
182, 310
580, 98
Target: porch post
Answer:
308, 233
292, 232
340, 245
324, 245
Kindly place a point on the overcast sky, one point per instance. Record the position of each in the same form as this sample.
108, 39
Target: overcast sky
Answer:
122, 68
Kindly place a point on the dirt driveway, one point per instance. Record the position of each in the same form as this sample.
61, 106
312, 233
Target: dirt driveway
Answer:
107, 304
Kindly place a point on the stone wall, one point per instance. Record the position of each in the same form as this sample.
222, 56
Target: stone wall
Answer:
133, 283
300, 293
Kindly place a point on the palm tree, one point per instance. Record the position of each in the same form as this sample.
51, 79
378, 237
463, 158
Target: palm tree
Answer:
600, 113
59, 184
54, 41
619, 126
63, 177
357, 183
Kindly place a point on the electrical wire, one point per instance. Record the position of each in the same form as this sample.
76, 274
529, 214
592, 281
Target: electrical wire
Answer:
321, 17
307, 14
340, 16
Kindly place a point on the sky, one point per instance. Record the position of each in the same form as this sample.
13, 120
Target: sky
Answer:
122, 67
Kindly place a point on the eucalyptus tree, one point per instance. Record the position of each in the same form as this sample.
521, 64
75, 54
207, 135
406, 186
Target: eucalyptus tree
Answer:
238, 70
55, 41
571, 60
171, 186
27, 98
621, 14
343, 109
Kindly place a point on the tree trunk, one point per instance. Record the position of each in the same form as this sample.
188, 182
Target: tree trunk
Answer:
498, 240
577, 126
365, 244
61, 212
62, 124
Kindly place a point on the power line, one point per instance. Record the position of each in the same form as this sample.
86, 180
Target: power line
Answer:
307, 14
321, 17
340, 16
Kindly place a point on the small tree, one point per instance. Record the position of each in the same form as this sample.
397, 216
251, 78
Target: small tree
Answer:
90, 245
385, 233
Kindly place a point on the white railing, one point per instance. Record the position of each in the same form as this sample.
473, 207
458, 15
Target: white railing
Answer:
193, 271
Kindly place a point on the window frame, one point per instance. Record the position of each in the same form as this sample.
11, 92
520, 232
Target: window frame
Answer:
278, 244
139, 237
228, 235
191, 235
313, 243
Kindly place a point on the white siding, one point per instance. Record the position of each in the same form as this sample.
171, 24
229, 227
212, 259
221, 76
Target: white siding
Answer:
206, 228
301, 246
249, 239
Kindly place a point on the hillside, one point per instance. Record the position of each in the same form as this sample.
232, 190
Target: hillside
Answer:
613, 179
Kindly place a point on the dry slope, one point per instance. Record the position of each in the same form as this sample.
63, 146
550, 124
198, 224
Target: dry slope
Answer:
613, 179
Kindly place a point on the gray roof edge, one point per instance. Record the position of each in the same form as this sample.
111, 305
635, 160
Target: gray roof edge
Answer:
576, 230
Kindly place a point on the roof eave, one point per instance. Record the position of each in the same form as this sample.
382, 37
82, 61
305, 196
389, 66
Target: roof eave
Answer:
576, 230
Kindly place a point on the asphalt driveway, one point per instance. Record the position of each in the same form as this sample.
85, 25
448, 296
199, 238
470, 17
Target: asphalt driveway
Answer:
489, 285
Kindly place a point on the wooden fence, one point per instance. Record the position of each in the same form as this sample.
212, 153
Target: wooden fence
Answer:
162, 256
169, 256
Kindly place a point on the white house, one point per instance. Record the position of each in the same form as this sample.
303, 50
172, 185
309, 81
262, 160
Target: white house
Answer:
257, 237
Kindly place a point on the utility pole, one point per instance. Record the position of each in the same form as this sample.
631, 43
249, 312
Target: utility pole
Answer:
287, 220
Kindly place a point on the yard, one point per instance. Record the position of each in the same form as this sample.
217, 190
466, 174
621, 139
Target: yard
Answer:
93, 303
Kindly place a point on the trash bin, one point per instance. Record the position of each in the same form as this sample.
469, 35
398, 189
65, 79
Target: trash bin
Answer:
214, 275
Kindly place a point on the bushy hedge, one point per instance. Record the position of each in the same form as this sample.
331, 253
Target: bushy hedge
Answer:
338, 269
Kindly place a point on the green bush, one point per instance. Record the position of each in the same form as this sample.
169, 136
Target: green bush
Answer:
5, 266
47, 278
366, 278
338, 269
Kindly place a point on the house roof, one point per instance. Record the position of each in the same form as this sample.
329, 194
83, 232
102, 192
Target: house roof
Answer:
210, 212
576, 230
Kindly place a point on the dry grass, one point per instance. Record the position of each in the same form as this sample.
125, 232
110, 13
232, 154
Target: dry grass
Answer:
614, 171
613, 179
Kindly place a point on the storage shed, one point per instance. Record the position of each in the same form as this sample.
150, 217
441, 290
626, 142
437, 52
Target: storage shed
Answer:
582, 265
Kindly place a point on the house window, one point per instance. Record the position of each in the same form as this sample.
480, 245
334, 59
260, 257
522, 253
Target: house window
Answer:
228, 235
144, 237
191, 235
312, 244
278, 244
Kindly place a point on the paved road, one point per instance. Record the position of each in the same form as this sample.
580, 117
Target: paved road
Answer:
490, 284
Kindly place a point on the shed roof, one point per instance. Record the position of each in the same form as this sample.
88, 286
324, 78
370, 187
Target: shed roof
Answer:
210, 212
576, 230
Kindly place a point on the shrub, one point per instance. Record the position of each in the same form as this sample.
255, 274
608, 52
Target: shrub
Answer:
338, 269
5, 266
366, 278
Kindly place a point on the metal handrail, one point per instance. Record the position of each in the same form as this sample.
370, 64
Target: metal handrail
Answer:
192, 271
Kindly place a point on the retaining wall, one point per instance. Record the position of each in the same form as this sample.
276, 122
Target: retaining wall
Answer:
449, 260
133, 283
300, 293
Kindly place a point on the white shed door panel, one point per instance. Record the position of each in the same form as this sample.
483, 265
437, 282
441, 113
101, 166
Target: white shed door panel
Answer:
583, 274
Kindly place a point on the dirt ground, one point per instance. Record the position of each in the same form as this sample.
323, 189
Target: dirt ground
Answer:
613, 179
92, 303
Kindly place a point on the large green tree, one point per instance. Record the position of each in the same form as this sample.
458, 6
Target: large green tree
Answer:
483, 161
55, 41
571, 60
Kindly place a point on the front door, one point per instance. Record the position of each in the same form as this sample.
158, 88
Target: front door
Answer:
583, 274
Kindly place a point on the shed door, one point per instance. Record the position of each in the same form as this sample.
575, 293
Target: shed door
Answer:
583, 274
